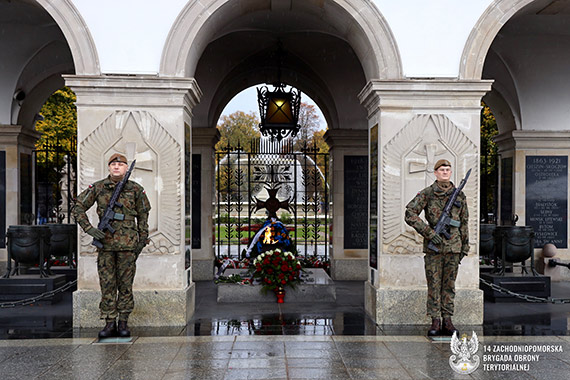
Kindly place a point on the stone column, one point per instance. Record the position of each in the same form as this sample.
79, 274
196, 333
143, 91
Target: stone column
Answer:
203, 142
549, 223
16, 146
147, 119
416, 123
349, 254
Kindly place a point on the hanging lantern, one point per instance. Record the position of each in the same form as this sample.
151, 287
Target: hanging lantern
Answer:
279, 111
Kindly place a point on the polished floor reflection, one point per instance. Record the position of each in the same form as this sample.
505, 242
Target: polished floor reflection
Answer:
280, 341
346, 316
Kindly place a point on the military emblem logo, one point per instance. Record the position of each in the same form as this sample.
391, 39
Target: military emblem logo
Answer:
464, 359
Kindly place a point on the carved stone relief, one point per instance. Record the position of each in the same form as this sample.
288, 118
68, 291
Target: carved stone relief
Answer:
407, 167
138, 135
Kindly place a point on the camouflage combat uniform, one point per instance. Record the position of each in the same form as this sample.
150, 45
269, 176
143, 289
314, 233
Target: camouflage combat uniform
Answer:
116, 261
441, 268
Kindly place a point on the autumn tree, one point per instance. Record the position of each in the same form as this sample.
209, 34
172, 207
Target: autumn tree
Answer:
310, 122
58, 127
238, 128
489, 161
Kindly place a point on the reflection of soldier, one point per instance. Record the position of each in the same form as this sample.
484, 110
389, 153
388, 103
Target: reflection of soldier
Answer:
116, 261
441, 267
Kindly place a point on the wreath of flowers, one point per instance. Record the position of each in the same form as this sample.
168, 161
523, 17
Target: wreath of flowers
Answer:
276, 269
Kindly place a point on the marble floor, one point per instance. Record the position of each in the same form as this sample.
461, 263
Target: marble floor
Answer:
285, 341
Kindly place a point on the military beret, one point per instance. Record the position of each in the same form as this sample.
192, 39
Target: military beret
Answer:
118, 158
442, 162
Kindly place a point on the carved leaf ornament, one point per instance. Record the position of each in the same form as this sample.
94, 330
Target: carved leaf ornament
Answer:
160, 161
407, 167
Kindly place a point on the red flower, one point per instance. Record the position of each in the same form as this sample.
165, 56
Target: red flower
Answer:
283, 282
284, 268
290, 278
269, 271
281, 275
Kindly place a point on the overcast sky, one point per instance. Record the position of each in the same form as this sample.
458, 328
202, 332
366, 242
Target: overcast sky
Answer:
246, 101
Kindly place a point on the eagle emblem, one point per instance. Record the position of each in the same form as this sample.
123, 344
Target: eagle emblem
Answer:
464, 359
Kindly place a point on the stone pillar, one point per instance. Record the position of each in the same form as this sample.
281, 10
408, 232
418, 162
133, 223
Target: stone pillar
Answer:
517, 149
416, 123
16, 146
349, 253
147, 119
203, 142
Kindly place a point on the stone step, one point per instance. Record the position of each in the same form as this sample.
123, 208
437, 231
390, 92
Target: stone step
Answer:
27, 286
538, 286
316, 287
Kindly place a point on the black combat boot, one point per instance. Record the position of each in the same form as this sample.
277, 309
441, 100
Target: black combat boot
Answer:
435, 328
109, 330
124, 331
448, 328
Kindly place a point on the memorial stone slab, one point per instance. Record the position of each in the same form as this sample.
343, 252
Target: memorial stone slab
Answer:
374, 197
355, 202
317, 286
547, 199
2, 199
196, 201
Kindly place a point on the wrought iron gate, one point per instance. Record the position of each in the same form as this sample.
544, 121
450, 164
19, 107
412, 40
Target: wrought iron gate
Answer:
55, 182
243, 177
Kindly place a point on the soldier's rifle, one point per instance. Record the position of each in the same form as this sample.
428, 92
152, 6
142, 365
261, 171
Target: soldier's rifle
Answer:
444, 221
110, 214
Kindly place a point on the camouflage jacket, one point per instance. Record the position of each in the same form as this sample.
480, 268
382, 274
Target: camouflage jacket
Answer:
432, 201
135, 206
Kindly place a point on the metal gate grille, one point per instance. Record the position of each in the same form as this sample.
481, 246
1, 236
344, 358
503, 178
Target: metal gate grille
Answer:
244, 177
55, 185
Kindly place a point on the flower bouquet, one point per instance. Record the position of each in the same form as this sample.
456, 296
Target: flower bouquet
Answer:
276, 269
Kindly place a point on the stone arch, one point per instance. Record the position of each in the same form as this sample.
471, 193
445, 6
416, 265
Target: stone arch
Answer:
74, 28
246, 74
363, 26
483, 34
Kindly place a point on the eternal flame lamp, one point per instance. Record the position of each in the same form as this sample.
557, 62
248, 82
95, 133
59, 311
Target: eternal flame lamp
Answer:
279, 109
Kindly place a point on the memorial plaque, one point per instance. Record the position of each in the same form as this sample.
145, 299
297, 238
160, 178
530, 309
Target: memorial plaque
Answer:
355, 202
374, 197
25, 186
187, 197
196, 201
2, 199
547, 199
506, 190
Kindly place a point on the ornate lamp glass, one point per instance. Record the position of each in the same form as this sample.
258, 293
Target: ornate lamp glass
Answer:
279, 111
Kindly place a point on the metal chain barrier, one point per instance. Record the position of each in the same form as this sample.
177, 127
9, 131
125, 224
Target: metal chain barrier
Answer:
525, 297
29, 301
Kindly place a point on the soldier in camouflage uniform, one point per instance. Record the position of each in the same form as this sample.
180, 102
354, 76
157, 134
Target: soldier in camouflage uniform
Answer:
116, 261
441, 267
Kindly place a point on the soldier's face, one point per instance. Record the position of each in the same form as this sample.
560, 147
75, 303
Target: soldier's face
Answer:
443, 173
117, 169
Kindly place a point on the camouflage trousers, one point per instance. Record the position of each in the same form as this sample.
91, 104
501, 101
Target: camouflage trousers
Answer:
116, 275
441, 272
